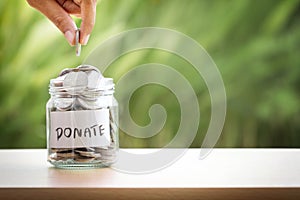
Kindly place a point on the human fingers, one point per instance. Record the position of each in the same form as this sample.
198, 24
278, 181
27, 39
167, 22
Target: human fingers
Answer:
88, 15
57, 14
70, 6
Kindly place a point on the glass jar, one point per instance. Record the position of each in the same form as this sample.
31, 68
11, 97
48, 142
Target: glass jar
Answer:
82, 123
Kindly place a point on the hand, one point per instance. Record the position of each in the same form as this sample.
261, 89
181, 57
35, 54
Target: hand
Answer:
59, 11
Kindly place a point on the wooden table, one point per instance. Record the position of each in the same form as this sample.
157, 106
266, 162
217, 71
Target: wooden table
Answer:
224, 174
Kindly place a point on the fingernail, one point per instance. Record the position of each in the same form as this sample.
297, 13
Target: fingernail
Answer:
86, 39
70, 37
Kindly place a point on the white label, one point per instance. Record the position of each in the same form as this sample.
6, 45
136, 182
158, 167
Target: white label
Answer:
85, 128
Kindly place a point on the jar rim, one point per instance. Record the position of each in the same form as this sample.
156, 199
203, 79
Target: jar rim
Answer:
56, 87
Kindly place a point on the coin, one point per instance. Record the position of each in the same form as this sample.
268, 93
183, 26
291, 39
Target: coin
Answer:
83, 159
88, 105
64, 72
89, 149
75, 79
57, 82
63, 104
86, 68
65, 155
88, 154
94, 79
61, 150
77, 43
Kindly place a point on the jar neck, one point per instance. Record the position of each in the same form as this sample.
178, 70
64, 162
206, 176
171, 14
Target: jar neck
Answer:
61, 92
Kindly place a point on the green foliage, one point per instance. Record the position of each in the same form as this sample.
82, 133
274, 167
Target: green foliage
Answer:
255, 44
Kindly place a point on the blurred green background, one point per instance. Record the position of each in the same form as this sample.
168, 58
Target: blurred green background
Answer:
255, 44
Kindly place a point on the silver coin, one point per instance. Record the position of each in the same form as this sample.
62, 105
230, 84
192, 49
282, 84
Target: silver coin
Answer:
100, 148
94, 79
77, 43
83, 159
61, 150
88, 104
65, 71
107, 152
63, 103
65, 155
57, 82
87, 149
75, 80
88, 154
87, 68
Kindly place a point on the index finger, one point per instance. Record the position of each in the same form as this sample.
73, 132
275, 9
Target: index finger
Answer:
88, 15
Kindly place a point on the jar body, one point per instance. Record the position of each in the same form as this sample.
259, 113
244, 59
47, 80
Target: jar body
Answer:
82, 130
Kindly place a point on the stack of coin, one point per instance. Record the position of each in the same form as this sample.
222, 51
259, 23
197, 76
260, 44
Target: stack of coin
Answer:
78, 155
74, 84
